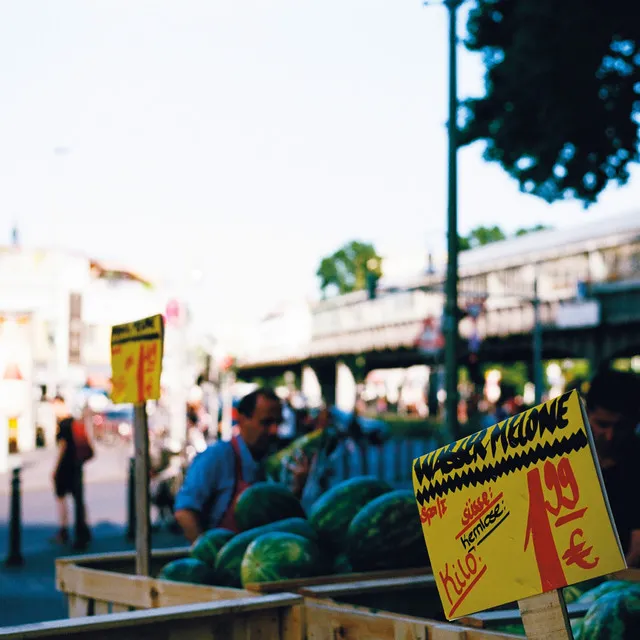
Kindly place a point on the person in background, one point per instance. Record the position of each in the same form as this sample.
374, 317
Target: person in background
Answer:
308, 476
67, 479
224, 470
613, 411
287, 429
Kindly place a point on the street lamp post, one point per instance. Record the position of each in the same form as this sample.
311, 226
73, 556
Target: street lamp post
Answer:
451, 304
537, 342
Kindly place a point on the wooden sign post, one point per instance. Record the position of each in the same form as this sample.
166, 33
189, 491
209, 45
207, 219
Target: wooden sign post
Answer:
136, 362
517, 512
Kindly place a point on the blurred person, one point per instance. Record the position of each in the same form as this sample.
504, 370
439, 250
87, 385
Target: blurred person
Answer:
224, 470
68, 479
613, 411
165, 462
308, 476
287, 429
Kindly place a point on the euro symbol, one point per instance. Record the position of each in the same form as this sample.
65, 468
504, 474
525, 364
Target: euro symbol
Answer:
577, 554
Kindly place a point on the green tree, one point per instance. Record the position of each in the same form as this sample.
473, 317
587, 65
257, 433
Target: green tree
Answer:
347, 269
480, 236
561, 109
523, 231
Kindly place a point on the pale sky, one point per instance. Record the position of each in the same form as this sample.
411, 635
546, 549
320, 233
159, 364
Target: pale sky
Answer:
246, 139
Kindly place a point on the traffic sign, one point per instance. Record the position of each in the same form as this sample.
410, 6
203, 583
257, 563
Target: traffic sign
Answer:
430, 341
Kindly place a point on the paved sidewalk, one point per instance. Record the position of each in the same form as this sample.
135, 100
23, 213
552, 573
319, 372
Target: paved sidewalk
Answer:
109, 464
27, 593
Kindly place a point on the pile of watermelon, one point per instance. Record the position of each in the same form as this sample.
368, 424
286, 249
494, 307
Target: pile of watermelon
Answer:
361, 524
614, 612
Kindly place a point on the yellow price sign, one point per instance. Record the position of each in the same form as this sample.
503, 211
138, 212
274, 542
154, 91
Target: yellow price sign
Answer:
136, 360
516, 510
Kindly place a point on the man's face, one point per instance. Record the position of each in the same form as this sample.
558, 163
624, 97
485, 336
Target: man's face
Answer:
257, 429
609, 428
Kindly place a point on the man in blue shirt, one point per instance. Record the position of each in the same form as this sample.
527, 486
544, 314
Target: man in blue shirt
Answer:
218, 476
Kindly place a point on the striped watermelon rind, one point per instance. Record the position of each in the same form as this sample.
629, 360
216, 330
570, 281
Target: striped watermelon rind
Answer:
188, 570
264, 503
280, 556
229, 558
208, 545
332, 513
614, 615
387, 534
589, 597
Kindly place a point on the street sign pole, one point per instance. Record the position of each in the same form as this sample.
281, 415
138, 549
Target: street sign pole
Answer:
451, 303
143, 520
537, 343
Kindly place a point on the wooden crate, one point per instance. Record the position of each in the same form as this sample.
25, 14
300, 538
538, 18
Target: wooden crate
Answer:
106, 583
326, 620
273, 617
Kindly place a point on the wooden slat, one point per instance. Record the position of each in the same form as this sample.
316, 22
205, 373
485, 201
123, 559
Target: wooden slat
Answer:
123, 561
336, 590
329, 620
120, 608
197, 621
293, 623
101, 607
139, 592
294, 585
78, 606
513, 616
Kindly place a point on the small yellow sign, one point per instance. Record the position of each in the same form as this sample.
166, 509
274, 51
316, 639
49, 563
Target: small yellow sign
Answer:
136, 360
516, 510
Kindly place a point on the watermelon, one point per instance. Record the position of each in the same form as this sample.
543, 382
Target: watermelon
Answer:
332, 513
230, 556
515, 629
387, 534
602, 589
341, 564
280, 556
576, 627
571, 594
187, 570
614, 616
264, 503
207, 546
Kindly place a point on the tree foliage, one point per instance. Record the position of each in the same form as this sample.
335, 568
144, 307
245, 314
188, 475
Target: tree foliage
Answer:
479, 236
562, 106
347, 269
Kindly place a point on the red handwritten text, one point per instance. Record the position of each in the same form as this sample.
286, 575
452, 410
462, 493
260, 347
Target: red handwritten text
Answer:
475, 508
561, 481
427, 514
459, 578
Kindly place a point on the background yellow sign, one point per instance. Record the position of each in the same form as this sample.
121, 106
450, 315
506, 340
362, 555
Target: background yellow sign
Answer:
136, 360
516, 510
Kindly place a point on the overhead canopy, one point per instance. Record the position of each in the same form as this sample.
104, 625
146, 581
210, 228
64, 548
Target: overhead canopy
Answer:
112, 272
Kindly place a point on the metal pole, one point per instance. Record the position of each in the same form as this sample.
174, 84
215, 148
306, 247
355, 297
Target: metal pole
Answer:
451, 303
537, 343
14, 557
